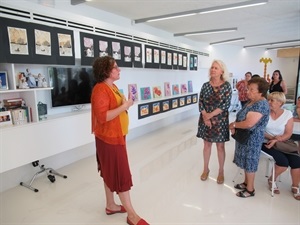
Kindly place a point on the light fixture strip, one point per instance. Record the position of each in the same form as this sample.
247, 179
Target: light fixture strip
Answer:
171, 17
273, 43
234, 6
227, 41
201, 11
206, 32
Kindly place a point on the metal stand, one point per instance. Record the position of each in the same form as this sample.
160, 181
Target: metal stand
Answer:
50, 175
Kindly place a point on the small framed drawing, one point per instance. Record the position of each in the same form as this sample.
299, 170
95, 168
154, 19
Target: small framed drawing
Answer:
5, 118
3, 80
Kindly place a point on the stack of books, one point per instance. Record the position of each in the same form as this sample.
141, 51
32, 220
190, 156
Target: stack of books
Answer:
20, 113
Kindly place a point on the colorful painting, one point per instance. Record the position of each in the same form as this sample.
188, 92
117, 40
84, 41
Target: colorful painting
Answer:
166, 105
157, 92
65, 44
156, 107
132, 90
167, 87
181, 101
145, 93
175, 89
188, 99
174, 103
183, 89
144, 110
190, 86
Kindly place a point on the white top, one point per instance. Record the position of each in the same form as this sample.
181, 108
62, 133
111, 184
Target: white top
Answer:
276, 127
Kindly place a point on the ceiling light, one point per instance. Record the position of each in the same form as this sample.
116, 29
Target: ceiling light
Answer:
227, 41
202, 11
272, 43
206, 32
282, 47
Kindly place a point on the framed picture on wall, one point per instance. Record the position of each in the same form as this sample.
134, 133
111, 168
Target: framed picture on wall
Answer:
137, 59
3, 80
18, 41
64, 46
42, 42
88, 45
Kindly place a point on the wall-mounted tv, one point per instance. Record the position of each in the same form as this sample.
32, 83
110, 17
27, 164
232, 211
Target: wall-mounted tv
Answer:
71, 86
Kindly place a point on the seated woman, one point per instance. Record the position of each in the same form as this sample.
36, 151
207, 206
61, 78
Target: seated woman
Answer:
296, 114
280, 128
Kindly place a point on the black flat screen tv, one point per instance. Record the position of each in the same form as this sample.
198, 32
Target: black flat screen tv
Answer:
71, 86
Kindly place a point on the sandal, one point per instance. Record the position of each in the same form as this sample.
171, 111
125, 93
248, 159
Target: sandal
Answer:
241, 186
296, 192
245, 193
204, 176
276, 189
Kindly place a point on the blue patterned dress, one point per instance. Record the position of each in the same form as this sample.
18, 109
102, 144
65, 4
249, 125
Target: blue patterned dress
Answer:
246, 156
211, 98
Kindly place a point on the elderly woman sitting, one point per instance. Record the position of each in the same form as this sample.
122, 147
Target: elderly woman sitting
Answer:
280, 128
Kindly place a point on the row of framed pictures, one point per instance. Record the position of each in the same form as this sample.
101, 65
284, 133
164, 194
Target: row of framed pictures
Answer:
154, 108
25, 42
126, 53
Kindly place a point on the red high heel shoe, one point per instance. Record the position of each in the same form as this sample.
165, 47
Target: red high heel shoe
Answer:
140, 222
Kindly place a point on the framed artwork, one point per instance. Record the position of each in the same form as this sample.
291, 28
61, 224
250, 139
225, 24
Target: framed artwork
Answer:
157, 92
163, 55
182, 101
190, 86
167, 88
132, 88
42, 42
88, 45
175, 58
64, 47
183, 89
165, 105
179, 59
156, 55
184, 61
5, 118
144, 111
191, 62
65, 44
18, 41
175, 89
195, 98
174, 103
103, 48
137, 62
126, 54
145, 93
156, 107
169, 59
188, 100
116, 49
3, 80
149, 55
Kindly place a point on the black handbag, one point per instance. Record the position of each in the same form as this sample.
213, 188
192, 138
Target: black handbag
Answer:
241, 135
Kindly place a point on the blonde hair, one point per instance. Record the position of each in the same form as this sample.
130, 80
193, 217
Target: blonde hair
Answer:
279, 96
225, 75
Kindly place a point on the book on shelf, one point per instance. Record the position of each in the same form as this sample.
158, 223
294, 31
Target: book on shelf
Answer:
12, 102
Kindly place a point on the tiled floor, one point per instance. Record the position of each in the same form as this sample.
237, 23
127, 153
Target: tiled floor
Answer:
167, 190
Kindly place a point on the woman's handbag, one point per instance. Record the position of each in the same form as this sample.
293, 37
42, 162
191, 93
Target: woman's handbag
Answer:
288, 146
241, 135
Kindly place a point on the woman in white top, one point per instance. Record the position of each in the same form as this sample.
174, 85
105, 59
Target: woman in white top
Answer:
280, 128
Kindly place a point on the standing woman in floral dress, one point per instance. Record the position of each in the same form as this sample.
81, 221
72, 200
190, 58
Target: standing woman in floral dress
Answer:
214, 102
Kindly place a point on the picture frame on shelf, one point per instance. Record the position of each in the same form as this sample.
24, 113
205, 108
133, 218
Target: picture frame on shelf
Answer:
5, 118
3, 80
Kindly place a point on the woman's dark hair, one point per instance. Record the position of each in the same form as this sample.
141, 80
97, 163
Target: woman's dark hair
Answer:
280, 76
262, 85
102, 67
255, 76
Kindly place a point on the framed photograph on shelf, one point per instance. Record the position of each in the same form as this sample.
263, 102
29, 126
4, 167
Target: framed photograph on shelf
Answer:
144, 111
165, 105
5, 119
182, 101
3, 80
156, 107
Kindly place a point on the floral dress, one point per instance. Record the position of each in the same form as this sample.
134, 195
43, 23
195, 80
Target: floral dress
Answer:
246, 155
211, 98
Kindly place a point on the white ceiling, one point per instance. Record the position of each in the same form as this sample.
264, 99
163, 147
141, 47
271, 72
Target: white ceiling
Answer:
276, 21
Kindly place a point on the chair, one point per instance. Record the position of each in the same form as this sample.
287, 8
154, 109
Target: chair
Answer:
269, 159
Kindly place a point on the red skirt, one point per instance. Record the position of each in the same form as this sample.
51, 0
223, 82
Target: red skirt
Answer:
113, 165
